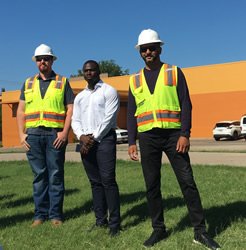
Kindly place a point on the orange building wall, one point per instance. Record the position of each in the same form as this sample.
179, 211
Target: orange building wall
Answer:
211, 108
10, 136
218, 92
216, 78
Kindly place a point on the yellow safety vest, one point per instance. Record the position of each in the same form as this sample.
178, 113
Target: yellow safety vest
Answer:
160, 109
49, 111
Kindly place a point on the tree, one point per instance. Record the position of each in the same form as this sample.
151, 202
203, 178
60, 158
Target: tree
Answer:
109, 67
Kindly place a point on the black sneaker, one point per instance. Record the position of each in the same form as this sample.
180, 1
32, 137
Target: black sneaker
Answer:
204, 239
156, 236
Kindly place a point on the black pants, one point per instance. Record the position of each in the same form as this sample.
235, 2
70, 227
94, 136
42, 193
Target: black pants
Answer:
100, 166
152, 145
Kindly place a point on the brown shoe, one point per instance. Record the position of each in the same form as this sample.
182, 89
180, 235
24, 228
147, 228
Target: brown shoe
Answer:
37, 223
56, 223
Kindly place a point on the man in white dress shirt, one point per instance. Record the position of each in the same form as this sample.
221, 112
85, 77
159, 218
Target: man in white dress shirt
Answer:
93, 122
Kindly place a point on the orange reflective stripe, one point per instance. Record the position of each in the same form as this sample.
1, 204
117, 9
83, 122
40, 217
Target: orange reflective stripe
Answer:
165, 74
59, 82
48, 116
165, 115
30, 83
144, 118
55, 117
174, 76
169, 75
161, 116
32, 116
134, 81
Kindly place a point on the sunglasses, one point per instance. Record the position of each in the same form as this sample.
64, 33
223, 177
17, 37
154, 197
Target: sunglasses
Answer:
150, 48
45, 58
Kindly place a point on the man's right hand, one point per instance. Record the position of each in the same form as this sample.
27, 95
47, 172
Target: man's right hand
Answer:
24, 143
87, 142
133, 152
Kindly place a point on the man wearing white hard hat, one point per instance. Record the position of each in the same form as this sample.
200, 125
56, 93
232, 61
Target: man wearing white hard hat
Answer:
159, 114
44, 118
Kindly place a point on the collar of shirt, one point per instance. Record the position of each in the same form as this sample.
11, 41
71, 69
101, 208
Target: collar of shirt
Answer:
52, 77
98, 85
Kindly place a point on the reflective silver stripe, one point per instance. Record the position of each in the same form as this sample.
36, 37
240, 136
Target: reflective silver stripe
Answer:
145, 118
169, 75
30, 83
59, 83
168, 115
31, 117
54, 117
137, 80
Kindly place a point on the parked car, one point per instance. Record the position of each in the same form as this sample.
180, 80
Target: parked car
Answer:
243, 126
227, 129
122, 135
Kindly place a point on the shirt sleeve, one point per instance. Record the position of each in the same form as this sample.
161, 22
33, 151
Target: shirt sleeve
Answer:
112, 103
69, 95
22, 95
131, 119
76, 117
185, 104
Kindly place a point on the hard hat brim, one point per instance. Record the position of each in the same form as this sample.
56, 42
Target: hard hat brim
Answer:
156, 41
34, 57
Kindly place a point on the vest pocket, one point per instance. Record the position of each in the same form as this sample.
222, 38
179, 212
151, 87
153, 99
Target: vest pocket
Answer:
28, 95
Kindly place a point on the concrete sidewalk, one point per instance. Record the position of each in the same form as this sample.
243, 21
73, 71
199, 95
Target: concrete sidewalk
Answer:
220, 156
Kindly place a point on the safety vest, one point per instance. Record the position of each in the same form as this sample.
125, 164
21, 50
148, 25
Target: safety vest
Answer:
49, 111
160, 109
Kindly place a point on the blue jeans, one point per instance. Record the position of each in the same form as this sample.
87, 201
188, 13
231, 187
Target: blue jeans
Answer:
47, 164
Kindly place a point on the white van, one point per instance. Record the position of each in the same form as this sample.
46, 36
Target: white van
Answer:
243, 126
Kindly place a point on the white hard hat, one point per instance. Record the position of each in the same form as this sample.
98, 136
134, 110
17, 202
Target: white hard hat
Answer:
148, 36
43, 50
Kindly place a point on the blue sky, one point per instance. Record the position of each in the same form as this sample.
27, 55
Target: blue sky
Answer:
195, 32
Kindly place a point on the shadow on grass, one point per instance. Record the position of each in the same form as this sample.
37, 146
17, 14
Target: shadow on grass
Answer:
88, 206
134, 215
18, 218
138, 213
4, 177
17, 203
14, 219
218, 218
78, 211
71, 191
25, 201
6, 196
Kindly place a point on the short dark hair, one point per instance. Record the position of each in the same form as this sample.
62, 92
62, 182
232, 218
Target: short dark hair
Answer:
94, 62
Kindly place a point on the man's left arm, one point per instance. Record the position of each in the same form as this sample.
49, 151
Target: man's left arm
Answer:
183, 144
62, 136
111, 110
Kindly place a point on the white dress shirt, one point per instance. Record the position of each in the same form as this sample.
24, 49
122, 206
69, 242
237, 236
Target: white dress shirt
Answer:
95, 111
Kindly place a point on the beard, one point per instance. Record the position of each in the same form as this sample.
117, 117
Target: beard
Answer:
43, 68
150, 59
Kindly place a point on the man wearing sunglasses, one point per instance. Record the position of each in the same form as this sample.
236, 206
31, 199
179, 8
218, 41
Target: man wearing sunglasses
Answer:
159, 111
44, 118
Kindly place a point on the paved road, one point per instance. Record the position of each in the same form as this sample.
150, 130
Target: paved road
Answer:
202, 151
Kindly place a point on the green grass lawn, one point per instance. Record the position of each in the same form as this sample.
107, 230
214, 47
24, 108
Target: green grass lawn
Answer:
222, 190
